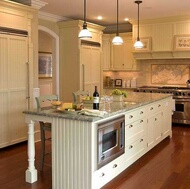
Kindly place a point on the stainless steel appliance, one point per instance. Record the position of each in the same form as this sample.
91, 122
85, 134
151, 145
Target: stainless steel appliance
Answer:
111, 140
181, 95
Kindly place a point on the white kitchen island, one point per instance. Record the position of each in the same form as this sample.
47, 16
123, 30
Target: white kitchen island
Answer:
74, 139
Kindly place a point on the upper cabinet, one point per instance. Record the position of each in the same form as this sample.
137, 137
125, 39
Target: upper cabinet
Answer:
163, 38
118, 57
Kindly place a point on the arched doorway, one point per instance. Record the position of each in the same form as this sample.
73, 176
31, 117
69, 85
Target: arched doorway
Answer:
53, 39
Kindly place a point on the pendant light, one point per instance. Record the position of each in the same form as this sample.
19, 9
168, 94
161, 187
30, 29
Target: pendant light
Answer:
138, 44
117, 40
84, 33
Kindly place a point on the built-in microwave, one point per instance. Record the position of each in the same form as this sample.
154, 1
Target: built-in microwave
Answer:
111, 140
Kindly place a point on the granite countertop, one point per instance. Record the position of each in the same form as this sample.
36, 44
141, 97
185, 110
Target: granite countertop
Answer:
133, 100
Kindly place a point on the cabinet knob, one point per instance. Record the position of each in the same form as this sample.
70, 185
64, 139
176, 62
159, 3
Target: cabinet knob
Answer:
130, 126
130, 116
141, 112
159, 105
102, 174
130, 146
141, 121
141, 140
115, 165
151, 108
155, 119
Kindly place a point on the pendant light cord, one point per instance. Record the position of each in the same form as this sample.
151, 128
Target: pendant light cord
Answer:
84, 24
138, 2
117, 18
138, 39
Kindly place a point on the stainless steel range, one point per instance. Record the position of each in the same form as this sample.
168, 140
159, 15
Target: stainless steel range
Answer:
181, 95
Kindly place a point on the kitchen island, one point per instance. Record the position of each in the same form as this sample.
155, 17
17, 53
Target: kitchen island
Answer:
74, 139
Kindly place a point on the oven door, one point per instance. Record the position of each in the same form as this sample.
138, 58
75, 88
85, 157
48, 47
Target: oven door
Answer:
181, 113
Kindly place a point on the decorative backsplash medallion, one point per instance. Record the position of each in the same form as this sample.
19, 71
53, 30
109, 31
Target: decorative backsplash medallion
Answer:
169, 74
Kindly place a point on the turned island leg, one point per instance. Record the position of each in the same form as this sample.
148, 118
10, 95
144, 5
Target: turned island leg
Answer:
31, 172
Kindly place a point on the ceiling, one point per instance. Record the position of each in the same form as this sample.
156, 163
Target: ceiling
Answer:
73, 9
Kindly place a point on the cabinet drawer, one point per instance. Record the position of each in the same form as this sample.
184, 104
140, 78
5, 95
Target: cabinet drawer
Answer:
155, 107
108, 172
135, 150
135, 115
134, 131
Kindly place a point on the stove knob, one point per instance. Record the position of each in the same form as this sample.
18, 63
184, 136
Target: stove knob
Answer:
176, 93
188, 94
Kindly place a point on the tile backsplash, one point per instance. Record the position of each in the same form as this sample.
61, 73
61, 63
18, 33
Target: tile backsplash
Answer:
146, 74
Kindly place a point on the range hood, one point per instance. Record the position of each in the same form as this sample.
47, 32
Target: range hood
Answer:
143, 55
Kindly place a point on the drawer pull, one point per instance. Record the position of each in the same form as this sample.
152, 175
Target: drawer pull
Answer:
155, 119
130, 116
115, 165
130, 126
141, 140
141, 112
159, 105
151, 108
130, 146
141, 121
102, 174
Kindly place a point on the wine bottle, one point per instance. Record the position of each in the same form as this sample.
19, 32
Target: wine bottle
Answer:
96, 99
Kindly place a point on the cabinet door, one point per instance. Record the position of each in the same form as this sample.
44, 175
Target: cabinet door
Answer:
122, 56
91, 58
118, 57
13, 89
167, 114
106, 51
154, 130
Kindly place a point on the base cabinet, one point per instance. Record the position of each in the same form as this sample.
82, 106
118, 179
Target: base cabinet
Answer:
145, 127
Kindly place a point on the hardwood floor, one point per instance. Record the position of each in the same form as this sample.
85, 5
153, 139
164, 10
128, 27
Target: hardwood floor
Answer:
167, 166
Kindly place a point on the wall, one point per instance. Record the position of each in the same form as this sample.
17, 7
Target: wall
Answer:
144, 75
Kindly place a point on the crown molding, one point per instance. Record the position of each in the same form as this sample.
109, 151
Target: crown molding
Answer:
38, 4
51, 17
162, 20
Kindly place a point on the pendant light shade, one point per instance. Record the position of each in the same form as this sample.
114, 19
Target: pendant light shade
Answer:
117, 40
84, 33
138, 44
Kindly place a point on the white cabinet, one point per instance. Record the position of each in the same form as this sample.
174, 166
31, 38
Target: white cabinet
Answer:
79, 60
145, 128
118, 57
135, 135
122, 57
154, 130
159, 122
90, 62
167, 118
106, 51
16, 51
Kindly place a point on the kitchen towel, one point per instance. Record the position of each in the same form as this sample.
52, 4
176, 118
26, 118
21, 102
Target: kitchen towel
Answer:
90, 112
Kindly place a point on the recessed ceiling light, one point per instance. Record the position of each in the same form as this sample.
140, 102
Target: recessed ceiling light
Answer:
99, 17
126, 19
